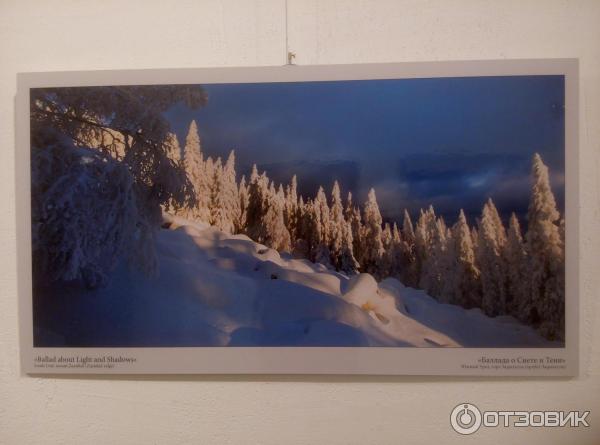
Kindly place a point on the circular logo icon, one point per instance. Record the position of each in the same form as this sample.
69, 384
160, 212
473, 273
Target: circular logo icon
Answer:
465, 418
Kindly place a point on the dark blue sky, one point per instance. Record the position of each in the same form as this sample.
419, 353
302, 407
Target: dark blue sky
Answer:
450, 142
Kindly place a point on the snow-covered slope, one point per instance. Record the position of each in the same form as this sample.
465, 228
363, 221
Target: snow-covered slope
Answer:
218, 290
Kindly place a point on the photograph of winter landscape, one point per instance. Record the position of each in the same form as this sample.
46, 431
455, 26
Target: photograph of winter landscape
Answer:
374, 213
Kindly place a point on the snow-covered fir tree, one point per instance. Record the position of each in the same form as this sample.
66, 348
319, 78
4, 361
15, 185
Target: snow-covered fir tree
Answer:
200, 179
258, 190
461, 284
300, 208
424, 232
240, 225
352, 215
225, 203
290, 211
491, 260
277, 235
396, 253
217, 212
174, 154
84, 213
409, 271
347, 263
475, 239
386, 263
373, 250
308, 235
231, 190
545, 252
336, 227
321, 207
300, 246
561, 229
435, 265
281, 194
173, 148
500, 230
516, 274
264, 216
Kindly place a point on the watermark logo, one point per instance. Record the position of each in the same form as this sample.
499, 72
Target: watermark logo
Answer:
466, 419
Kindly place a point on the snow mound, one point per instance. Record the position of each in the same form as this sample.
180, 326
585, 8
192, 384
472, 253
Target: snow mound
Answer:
216, 289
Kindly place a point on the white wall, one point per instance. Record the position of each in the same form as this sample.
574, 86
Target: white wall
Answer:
116, 34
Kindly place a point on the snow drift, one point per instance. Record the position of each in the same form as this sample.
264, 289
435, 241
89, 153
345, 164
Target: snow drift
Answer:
216, 289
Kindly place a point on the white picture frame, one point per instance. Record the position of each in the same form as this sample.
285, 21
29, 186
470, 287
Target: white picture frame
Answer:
542, 362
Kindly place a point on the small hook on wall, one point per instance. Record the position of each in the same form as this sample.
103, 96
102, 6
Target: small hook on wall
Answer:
290, 58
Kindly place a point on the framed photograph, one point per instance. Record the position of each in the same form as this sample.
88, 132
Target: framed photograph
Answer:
414, 218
